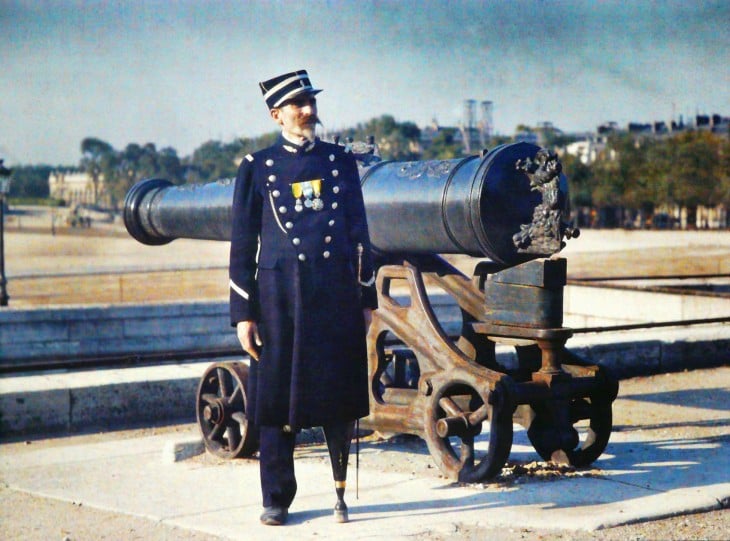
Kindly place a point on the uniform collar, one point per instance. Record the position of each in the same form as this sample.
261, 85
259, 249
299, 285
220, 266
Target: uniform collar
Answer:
293, 147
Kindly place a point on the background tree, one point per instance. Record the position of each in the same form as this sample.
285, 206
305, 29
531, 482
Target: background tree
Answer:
692, 174
137, 162
443, 146
581, 179
98, 159
31, 181
214, 160
396, 141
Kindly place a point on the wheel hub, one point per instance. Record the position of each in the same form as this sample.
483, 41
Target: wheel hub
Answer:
214, 413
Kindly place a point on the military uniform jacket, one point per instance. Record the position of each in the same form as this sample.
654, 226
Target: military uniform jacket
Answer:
298, 217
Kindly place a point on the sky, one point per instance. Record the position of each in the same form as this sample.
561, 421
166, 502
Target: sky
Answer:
178, 73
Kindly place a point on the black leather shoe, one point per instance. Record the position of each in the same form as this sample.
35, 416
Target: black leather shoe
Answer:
274, 516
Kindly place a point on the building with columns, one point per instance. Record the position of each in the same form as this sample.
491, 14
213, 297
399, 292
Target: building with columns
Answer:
77, 187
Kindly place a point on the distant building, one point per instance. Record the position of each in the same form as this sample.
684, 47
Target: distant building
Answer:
77, 187
607, 128
587, 151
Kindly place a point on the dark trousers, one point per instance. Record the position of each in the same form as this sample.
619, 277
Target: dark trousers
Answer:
276, 461
276, 466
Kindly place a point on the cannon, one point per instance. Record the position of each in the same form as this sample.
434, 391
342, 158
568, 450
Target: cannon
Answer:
508, 207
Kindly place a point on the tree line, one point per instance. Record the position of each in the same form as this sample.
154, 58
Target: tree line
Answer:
638, 173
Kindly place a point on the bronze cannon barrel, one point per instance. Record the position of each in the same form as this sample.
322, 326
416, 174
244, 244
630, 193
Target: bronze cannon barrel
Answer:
508, 205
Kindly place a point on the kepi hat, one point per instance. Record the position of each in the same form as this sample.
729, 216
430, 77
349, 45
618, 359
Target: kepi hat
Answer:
285, 87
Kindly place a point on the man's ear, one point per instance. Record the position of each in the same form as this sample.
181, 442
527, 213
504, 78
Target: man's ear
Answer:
275, 115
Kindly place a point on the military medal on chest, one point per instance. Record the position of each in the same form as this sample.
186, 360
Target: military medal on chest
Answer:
307, 194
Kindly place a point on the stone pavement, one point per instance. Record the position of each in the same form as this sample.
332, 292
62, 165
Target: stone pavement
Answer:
669, 454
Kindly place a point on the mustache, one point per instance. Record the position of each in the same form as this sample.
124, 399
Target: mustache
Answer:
314, 119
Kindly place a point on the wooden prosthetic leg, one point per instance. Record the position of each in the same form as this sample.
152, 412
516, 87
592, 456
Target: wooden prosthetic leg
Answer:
338, 438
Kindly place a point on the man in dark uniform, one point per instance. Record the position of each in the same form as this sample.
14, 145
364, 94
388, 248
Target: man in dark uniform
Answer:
302, 290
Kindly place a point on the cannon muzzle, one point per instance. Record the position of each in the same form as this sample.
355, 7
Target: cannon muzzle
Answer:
507, 205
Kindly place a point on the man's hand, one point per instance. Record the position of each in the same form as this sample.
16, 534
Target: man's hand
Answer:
248, 335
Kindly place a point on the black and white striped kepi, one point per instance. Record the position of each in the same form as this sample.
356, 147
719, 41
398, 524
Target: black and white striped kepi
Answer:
282, 88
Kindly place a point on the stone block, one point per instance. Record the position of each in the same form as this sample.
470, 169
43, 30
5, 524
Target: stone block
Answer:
116, 404
34, 412
181, 449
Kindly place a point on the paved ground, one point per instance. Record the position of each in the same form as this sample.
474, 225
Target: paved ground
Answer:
669, 455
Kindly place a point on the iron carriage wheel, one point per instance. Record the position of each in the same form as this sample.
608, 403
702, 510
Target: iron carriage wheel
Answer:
221, 411
591, 417
453, 423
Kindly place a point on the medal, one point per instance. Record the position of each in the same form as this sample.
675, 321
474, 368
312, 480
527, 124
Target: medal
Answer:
296, 190
309, 191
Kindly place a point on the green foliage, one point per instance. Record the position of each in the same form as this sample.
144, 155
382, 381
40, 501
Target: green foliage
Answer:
398, 141
443, 146
688, 170
30, 181
215, 160
122, 169
581, 179
137, 162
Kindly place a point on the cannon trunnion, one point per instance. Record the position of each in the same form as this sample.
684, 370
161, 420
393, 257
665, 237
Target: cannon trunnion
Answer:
507, 206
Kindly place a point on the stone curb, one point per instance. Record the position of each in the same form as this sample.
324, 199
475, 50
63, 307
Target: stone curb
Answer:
48, 403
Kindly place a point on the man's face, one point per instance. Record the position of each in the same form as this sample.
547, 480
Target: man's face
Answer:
297, 117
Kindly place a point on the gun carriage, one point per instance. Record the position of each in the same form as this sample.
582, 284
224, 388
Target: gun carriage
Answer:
507, 206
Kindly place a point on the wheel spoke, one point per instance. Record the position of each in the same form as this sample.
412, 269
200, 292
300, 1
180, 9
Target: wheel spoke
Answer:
479, 415
215, 434
450, 407
223, 382
209, 398
234, 436
236, 393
